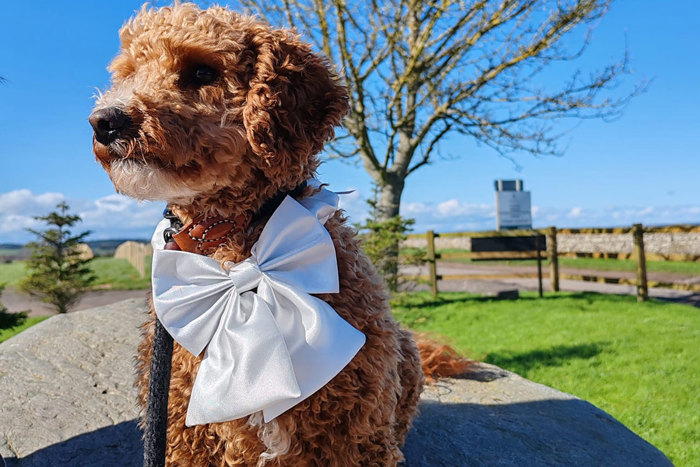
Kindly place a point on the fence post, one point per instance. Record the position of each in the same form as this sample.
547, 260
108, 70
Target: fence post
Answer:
432, 264
538, 247
642, 289
553, 255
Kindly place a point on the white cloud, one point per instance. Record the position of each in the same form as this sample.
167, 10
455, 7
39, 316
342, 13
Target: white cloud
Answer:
14, 223
24, 202
112, 216
18, 209
412, 209
116, 216
454, 216
646, 211
116, 213
575, 212
617, 216
450, 208
354, 205
455, 208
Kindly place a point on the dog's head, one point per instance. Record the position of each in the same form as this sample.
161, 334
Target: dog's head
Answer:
208, 100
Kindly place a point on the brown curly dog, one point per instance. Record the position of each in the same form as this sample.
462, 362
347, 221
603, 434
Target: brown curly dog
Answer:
217, 113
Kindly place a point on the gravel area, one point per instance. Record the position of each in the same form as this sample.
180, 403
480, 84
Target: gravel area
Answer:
16, 301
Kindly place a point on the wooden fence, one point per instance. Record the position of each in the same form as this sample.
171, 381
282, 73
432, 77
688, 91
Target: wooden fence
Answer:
136, 254
639, 254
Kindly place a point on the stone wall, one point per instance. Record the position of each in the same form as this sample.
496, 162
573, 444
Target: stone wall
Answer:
441, 243
665, 244
660, 243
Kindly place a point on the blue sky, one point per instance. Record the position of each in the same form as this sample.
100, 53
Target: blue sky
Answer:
643, 167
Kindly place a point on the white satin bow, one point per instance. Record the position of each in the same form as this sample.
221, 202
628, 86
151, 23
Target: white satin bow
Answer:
266, 349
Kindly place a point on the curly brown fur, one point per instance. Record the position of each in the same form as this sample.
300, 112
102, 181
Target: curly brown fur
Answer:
440, 360
225, 148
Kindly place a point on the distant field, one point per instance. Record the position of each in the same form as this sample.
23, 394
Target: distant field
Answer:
112, 273
679, 267
118, 274
100, 248
11, 273
11, 254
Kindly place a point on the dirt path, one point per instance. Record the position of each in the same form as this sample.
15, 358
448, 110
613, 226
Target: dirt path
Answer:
490, 268
16, 301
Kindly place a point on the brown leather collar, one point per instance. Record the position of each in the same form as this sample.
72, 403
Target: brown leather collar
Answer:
205, 233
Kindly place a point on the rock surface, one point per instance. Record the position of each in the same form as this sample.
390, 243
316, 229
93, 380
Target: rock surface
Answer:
67, 399
66, 385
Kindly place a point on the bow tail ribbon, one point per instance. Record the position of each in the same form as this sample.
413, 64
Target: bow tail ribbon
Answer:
246, 354
322, 343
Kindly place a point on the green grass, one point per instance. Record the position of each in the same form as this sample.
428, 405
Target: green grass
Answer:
11, 273
638, 362
119, 274
6, 333
680, 267
112, 273
601, 264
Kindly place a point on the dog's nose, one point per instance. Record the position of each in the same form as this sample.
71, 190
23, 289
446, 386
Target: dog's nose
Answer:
109, 124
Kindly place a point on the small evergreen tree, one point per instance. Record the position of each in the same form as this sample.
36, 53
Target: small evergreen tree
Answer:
57, 273
381, 241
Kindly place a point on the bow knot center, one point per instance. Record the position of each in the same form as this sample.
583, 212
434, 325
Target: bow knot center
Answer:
245, 275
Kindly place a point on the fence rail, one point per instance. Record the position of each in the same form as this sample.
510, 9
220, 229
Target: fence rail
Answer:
638, 253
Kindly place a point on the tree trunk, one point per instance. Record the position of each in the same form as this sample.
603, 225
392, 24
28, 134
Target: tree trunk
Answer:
387, 208
389, 197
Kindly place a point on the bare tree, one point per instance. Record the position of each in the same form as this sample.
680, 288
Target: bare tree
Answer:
420, 70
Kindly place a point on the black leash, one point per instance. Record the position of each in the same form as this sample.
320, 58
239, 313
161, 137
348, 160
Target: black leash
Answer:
154, 436
155, 433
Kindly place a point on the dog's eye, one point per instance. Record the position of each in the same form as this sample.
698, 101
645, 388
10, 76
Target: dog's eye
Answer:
198, 76
204, 75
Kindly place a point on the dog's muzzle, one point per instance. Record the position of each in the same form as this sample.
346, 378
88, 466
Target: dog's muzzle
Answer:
110, 124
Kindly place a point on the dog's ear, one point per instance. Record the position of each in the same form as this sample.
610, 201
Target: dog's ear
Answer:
293, 105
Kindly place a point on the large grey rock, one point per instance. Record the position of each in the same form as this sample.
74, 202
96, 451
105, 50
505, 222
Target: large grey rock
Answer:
67, 389
67, 399
495, 417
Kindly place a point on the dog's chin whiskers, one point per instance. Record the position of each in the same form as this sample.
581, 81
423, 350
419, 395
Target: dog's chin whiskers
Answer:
138, 178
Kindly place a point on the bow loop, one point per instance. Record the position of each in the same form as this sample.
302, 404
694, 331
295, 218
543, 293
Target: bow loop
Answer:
298, 250
191, 279
269, 344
